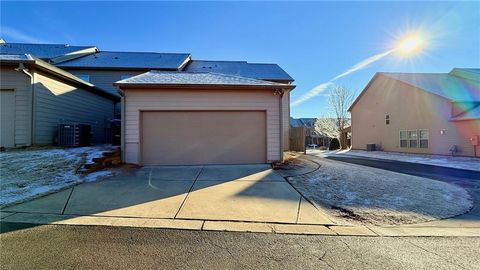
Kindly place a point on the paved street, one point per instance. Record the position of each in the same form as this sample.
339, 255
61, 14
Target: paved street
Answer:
422, 170
89, 247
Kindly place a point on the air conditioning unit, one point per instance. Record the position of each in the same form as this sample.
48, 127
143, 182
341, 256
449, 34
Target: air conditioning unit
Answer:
74, 134
371, 147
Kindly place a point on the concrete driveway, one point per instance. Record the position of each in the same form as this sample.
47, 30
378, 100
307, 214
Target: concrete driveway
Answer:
254, 193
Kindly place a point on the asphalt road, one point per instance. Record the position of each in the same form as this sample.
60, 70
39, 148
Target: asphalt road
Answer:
422, 170
90, 247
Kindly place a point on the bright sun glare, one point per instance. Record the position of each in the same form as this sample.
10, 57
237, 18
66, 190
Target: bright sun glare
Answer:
410, 45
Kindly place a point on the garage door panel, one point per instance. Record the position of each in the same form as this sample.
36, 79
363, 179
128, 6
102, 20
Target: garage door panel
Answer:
203, 137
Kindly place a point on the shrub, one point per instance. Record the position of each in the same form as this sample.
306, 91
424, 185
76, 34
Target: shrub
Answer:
334, 144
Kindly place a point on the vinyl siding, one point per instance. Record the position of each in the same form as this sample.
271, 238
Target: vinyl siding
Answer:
57, 102
21, 84
409, 108
105, 78
137, 100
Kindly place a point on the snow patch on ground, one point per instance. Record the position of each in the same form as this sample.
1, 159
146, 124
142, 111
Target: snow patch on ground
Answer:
94, 176
467, 163
380, 197
32, 172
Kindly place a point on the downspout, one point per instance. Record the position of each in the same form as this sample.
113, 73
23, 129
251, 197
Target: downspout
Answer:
280, 93
122, 125
21, 68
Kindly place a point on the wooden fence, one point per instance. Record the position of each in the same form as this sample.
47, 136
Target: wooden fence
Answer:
297, 139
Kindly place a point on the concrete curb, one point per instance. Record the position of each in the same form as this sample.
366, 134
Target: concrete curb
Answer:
239, 226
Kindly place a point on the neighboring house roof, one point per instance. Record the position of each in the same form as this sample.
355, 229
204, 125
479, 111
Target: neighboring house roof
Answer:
45, 51
447, 85
169, 79
466, 73
37, 63
303, 122
468, 115
269, 72
129, 60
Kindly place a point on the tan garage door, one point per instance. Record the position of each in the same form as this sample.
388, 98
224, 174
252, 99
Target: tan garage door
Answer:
203, 137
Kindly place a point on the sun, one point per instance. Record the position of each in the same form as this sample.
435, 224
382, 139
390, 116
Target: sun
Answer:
409, 45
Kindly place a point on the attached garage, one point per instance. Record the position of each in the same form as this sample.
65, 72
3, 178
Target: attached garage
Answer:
173, 118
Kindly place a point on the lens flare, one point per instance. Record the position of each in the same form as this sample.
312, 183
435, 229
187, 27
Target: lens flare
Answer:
410, 45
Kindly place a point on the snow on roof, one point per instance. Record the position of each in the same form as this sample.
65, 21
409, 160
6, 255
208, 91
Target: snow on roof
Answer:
260, 71
43, 51
129, 60
15, 57
187, 78
446, 85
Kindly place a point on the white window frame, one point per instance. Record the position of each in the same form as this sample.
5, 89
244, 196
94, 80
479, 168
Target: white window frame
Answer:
408, 138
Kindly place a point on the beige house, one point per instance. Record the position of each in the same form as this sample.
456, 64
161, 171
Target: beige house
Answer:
173, 118
175, 110
419, 113
36, 96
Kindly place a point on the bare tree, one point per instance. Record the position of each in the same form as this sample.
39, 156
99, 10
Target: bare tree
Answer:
339, 100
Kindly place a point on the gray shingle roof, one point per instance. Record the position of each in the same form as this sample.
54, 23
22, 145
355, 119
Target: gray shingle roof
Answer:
129, 60
43, 51
187, 78
270, 72
470, 114
446, 85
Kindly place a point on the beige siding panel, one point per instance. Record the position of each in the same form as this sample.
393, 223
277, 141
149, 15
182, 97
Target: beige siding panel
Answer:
409, 108
21, 84
105, 78
174, 100
57, 102
203, 137
7, 121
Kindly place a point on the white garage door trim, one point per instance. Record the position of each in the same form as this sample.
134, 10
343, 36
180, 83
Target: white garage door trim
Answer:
141, 131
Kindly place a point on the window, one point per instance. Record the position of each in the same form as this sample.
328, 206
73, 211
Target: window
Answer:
83, 77
423, 138
417, 138
404, 139
387, 119
412, 139
124, 77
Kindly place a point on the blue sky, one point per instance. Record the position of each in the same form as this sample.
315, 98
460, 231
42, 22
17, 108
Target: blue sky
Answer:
312, 41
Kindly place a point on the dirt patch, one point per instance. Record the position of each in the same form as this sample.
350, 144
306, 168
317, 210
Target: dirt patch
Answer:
361, 194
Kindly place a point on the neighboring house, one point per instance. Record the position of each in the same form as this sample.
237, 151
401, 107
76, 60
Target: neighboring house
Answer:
183, 118
312, 135
420, 113
36, 96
